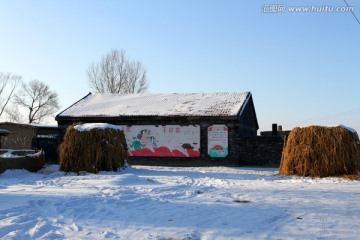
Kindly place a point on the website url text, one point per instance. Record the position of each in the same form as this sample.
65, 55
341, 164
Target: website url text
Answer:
280, 8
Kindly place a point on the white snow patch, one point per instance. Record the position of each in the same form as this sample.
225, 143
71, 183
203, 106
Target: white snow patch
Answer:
89, 126
159, 104
144, 202
348, 128
37, 154
9, 154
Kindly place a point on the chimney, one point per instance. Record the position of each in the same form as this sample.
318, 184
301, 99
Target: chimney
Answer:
274, 129
279, 128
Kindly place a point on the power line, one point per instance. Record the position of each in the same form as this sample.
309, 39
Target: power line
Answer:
352, 12
319, 118
327, 117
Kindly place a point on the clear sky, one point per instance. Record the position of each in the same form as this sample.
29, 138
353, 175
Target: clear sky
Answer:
303, 68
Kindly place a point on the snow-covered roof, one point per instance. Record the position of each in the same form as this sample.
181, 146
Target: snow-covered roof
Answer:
89, 126
158, 104
32, 125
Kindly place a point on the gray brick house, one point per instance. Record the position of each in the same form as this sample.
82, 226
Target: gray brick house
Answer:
176, 129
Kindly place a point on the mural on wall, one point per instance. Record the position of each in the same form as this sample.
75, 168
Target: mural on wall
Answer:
163, 141
218, 141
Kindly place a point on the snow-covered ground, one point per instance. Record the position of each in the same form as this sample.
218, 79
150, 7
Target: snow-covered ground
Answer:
143, 202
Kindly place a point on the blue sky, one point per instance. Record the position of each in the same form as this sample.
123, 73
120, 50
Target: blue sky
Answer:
302, 68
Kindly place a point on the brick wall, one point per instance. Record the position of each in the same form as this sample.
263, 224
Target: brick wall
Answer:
32, 163
50, 146
261, 151
204, 159
19, 138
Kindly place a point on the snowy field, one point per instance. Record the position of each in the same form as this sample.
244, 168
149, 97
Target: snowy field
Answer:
177, 203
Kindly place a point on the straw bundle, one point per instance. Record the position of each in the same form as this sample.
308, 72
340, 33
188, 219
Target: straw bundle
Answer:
93, 151
320, 152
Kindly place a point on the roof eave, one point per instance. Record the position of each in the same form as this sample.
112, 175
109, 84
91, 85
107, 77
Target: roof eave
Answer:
57, 117
244, 104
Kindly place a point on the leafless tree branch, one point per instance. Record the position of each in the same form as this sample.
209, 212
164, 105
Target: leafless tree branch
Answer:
116, 74
8, 86
38, 99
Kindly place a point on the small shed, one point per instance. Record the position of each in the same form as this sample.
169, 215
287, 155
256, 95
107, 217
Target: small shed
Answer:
3, 133
22, 134
182, 129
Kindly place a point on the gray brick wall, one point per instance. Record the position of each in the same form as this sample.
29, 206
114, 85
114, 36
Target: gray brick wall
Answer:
261, 151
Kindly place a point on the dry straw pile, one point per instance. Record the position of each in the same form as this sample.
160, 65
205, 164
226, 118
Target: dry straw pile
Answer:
93, 151
321, 152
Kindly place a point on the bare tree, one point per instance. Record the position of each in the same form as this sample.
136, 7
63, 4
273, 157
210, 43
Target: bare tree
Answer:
13, 114
38, 99
8, 86
114, 73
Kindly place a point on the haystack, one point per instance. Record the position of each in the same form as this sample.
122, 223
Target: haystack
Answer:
93, 148
321, 152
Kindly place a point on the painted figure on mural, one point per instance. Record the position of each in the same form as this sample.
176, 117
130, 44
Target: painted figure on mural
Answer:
170, 141
144, 140
136, 144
